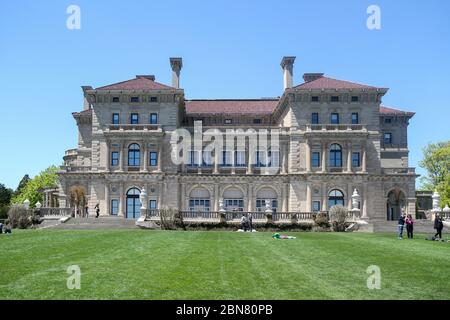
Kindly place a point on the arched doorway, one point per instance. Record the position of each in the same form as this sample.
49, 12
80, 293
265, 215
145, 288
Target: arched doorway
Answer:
233, 199
264, 194
395, 204
78, 201
133, 204
335, 197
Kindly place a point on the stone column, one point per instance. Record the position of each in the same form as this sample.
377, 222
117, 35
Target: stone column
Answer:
250, 161
108, 157
183, 197
324, 198
308, 197
363, 149
250, 199
122, 156
324, 156
216, 160
216, 197
121, 201
283, 158
144, 164
107, 204
159, 157
364, 201
308, 155
349, 157
160, 195
286, 198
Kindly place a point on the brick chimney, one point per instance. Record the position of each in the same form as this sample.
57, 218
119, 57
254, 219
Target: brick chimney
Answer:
287, 64
176, 64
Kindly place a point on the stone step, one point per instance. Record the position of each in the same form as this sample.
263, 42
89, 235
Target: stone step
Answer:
96, 223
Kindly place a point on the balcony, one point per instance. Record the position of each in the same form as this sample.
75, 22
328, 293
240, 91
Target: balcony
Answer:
135, 127
74, 169
71, 152
399, 170
336, 127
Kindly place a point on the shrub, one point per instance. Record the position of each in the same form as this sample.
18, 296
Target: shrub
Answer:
171, 219
19, 217
321, 221
4, 212
338, 218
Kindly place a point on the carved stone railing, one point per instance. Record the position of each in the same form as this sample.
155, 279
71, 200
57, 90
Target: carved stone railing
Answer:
75, 169
399, 170
335, 127
134, 127
55, 212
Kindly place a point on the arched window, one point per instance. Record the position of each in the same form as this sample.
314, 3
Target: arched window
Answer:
199, 200
133, 204
266, 194
335, 155
134, 155
233, 199
335, 197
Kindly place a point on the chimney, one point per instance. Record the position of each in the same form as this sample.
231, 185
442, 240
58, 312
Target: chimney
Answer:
176, 64
308, 77
287, 64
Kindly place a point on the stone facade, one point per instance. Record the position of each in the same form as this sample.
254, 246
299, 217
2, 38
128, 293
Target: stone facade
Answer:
334, 137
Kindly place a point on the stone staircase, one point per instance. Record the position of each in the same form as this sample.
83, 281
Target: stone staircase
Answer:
93, 224
420, 226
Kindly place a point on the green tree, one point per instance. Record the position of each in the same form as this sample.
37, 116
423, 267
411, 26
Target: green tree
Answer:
437, 163
5, 195
33, 189
22, 184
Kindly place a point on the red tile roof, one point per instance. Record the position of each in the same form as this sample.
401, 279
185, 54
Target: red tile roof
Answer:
139, 83
389, 110
330, 83
247, 106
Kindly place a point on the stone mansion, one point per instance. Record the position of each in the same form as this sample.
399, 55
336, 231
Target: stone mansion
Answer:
335, 136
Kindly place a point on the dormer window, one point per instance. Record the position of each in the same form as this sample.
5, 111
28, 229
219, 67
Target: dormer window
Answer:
334, 98
315, 99
153, 99
228, 121
115, 99
134, 99
257, 121
355, 98
388, 120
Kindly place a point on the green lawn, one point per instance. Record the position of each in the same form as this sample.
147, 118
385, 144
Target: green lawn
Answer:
127, 264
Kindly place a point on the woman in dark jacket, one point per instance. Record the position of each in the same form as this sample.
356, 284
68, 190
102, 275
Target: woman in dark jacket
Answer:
409, 226
438, 225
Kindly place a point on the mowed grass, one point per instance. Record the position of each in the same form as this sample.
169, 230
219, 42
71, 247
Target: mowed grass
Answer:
139, 264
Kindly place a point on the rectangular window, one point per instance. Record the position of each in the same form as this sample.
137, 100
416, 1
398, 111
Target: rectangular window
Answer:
228, 121
134, 118
388, 138
227, 158
274, 159
355, 98
315, 99
114, 207
316, 206
334, 98
115, 118
153, 99
316, 159
334, 118
315, 118
207, 158
153, 118
261, 158
257, 121
240, 158
355, 118
115, 99
356, 159
152, 205
134, 99
114, 158
387, 120
153, 159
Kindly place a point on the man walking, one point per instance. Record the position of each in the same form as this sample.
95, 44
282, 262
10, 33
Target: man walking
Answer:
438, 225
97, 210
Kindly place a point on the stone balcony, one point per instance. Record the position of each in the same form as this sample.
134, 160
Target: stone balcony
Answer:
74, 169
335, 127
403, 170
134, 127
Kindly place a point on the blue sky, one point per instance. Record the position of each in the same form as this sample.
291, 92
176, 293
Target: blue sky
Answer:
230, 49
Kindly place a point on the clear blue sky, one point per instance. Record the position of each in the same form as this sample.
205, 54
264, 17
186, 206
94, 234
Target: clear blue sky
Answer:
230, 49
